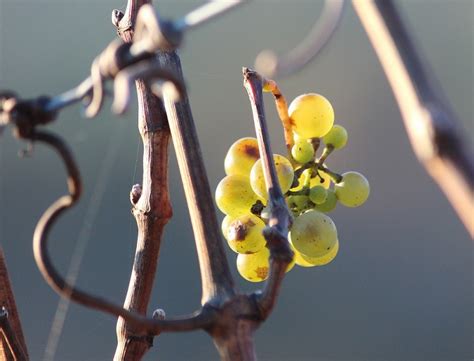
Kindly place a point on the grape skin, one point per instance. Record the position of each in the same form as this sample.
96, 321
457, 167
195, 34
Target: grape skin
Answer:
284, 172
302, 151
234, 196
241, 156
329, 204
313, 234
353, 190
312, 114
254, 267
318, 194
305, 261
337, 137
244, 233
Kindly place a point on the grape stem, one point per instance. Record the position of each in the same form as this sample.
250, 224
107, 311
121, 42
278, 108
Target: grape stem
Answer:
280, 217
328, 149
282, 109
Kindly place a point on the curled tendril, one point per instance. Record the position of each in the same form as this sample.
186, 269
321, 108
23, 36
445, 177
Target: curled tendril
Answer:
272, 66
106, 66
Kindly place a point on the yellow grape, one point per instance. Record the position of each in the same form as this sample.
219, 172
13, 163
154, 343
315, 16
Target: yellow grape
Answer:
337, 137
241, 156
244, 233
353, 190
284, 172
234, 196
313, 234
305, 261
254, 267
312, 114
302, 151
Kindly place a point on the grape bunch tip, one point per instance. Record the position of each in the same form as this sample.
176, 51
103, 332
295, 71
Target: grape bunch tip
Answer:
310, 188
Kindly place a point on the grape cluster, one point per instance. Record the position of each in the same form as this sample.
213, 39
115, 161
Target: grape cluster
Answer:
311, 190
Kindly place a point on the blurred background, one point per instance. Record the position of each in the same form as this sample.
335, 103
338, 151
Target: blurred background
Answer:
401, 287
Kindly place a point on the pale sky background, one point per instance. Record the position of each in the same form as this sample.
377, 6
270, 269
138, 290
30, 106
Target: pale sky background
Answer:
401, 286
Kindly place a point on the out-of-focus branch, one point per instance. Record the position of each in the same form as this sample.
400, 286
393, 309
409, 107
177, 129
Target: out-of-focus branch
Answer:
12, 342
431, 124
280, 218
272, 66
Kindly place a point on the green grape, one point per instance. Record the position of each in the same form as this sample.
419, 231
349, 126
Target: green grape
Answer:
298, 202
244, 233
305, 261
353, 190
241, 156
234, 196
312, 114
313, 234
254, 267
302, 151
284, 172
318, 194
337, 137
329, 204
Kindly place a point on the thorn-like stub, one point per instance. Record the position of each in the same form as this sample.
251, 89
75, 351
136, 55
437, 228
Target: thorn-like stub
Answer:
135, 193
117, 15
159, 314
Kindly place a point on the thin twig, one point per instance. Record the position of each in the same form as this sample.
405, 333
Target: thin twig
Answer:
280, 217
431, 124
151, 207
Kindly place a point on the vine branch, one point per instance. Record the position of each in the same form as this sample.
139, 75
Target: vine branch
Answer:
280, 218
431, 124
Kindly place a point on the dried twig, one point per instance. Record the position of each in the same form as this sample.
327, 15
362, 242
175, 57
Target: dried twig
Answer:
280, 218
151, 205
431, 124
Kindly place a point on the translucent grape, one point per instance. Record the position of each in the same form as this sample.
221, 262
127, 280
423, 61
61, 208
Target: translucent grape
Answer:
284, 172
302, 151
234, 196
337, 137
329, 204
313, 234
244, 233
254, 267
353, 190
298, 202
305, 261
318, 194
241, 156
312, 114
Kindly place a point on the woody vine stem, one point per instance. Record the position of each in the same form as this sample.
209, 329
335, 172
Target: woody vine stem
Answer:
146, 51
